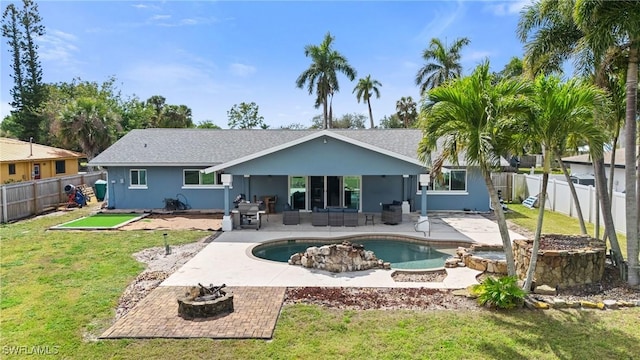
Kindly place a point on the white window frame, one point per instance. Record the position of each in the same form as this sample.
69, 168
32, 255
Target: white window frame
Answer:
138, 186
447, 191
216, 184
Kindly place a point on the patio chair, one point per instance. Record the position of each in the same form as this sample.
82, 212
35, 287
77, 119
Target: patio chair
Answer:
290, 216
320, 217
336, 216
392, 213
350, 217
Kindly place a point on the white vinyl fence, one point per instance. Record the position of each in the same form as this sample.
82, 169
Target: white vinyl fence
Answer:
27, 198
559, 198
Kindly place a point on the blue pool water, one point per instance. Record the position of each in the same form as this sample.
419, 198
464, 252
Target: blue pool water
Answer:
401, 254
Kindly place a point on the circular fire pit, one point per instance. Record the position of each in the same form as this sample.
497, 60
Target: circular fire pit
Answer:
563, 260
205, 302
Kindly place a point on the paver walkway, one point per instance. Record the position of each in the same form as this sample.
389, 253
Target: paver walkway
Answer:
256, 310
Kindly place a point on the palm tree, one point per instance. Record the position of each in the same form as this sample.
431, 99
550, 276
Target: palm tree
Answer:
558, 112
442, 63
406, 111
321, 77
90, 123
609, 26
364, 89
468, 114
597, 33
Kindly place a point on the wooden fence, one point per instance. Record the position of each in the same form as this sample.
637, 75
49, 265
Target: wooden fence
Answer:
27, 198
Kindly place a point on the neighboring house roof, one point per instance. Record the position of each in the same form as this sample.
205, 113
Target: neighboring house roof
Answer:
12, 150
585, 159
211, 147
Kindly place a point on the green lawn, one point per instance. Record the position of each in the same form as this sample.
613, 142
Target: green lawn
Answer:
100, 221
59, 290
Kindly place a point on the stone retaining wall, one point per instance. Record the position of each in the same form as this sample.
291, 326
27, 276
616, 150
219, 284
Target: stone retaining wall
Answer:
562, 268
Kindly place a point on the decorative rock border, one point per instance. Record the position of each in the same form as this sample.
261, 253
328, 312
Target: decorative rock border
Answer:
532, 302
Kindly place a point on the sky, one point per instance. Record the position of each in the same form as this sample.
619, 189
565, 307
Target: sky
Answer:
210, 55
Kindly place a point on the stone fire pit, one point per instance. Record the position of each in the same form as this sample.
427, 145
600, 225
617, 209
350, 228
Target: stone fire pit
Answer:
203, 302
563, 260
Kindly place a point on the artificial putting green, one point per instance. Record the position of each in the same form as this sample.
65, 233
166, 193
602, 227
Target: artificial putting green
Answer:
99, 221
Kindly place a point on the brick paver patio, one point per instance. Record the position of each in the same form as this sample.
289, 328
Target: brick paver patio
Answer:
255, 313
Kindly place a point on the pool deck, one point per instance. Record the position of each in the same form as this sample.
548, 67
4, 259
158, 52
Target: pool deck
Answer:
228, 260
259, 286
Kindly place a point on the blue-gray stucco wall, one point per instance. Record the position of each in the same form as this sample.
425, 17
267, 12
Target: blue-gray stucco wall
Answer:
335, 157
166, 182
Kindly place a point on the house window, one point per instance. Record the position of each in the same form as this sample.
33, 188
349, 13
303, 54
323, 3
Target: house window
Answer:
60, 166
138, 178
194, 177
12, 169
448, 180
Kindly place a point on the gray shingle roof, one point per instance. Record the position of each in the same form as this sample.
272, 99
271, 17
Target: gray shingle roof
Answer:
207, 147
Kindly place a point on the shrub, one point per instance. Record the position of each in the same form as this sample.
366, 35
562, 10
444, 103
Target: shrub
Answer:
501, 293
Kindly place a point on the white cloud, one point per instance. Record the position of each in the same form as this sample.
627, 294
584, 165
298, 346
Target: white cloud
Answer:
477, 55
144, 6
58, 47
441, 20
506, 8
242, 70
160, 17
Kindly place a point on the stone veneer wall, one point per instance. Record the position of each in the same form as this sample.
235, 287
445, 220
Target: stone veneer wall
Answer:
472, 261
562, 268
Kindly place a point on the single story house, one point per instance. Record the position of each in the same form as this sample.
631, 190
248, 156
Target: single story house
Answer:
24, 161
582, 165
301, 169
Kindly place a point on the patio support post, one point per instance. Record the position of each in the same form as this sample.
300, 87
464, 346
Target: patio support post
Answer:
405, 198
227, 224
423, 221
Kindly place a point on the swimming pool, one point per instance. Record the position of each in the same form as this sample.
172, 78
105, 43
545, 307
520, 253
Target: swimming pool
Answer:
401, 253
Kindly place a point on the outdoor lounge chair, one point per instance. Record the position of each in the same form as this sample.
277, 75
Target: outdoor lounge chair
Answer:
290, 216
392, 213
350, 217
320, 217
336, 216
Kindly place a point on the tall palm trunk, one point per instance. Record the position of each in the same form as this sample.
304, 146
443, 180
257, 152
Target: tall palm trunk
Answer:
631, 176
324, 112
536, 238
574, 194
370, 113
502, 223
605, 204
612, 171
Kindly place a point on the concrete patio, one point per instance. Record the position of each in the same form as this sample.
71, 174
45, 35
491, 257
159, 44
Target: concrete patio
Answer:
228, 259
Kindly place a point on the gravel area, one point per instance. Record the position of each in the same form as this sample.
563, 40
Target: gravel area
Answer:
159, 267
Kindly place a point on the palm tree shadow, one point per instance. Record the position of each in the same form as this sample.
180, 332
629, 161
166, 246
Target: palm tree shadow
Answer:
566, 334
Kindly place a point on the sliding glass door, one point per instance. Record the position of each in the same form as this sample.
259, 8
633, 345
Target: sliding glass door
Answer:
309, 192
